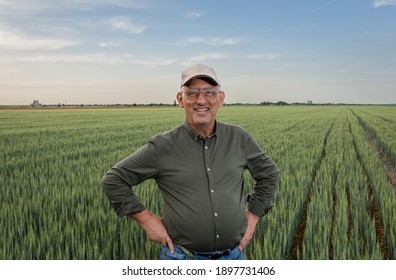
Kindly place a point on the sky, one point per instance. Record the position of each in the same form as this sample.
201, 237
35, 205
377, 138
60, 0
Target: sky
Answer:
133, 51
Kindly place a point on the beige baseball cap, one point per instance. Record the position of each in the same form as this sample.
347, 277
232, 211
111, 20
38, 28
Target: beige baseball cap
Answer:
199, 71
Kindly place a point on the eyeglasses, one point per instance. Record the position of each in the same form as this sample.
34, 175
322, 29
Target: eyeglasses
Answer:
209, 93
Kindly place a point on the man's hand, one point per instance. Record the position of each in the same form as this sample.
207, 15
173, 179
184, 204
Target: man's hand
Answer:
154, 228
252, 222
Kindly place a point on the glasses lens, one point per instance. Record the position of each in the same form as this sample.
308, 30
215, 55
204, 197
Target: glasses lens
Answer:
193, 93
209, 93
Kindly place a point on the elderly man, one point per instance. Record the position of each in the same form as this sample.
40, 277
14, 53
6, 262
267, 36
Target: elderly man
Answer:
198, 167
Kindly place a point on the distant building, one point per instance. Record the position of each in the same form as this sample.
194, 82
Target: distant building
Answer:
36, 103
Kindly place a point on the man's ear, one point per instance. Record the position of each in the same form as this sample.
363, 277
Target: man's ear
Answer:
222, 96
179, 98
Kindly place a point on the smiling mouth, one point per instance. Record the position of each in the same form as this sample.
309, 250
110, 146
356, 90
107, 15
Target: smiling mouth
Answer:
201, 109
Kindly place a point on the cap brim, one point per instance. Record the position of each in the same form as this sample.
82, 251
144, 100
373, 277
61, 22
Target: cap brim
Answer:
206, 78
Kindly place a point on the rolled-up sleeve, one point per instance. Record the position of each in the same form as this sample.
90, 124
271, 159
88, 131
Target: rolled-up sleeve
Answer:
117, 183
266, 174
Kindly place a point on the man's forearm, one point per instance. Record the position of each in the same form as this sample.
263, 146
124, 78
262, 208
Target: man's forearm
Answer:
260, 201
141, 217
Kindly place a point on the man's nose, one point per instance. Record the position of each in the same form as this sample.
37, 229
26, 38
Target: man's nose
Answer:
201, 98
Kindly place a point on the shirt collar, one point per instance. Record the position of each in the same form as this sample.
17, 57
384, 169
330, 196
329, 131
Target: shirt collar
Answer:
194, 134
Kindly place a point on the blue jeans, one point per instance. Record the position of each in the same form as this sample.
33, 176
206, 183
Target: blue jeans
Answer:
232, 254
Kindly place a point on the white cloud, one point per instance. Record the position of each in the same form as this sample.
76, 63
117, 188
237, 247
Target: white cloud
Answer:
29, 6
213, 41
320, 7
14, 39
98, 58
9, 7
264, 56
193, 15
109, 44
121, 3
379, 3
204, 57
124, 24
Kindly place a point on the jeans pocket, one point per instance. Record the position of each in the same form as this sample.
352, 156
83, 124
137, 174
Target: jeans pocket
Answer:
167, 255
236, 254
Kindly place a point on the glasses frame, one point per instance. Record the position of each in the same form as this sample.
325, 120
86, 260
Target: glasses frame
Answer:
208, 95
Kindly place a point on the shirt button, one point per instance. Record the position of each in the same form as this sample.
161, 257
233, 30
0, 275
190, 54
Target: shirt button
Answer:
212, 191
216, 214
208, 169
206, 147
217, 236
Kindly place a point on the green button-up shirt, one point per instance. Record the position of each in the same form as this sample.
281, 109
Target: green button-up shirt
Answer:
201, 181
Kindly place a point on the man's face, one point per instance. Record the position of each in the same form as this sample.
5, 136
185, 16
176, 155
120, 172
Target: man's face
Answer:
200, 112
